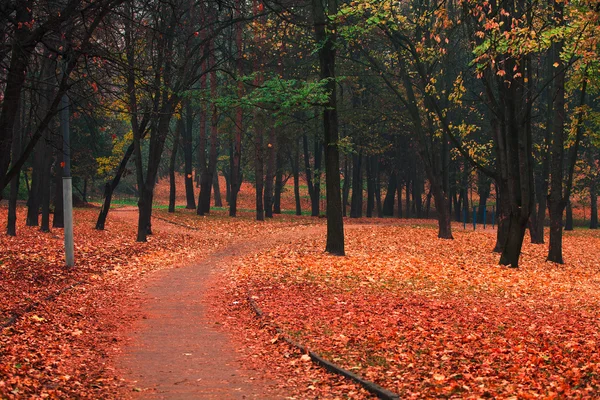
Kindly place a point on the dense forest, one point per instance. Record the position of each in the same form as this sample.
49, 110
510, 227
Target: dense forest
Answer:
428, 109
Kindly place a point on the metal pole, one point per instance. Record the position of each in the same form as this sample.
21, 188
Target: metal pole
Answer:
67, 182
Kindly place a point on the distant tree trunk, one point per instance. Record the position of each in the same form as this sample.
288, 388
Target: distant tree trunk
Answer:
259, 123
314, 176
186, 135
417, 187
390, 195
205, 183
270, 174
217, 190
593, 206
407, 198
370, 186
46, 184
110, 187
172, 184
295, 162
376, 173
58, 221
569, 217
278, 181
11, 228
356, 205
483, 189
399, 188
457, 208
428, 204
346, 186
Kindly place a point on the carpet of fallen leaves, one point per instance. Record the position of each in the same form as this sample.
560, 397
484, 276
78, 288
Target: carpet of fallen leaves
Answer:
60, 329
426, 317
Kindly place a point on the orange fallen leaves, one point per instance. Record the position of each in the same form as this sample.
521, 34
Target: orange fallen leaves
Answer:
426, 317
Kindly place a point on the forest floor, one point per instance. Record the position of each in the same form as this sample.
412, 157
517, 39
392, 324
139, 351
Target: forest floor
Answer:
420, 316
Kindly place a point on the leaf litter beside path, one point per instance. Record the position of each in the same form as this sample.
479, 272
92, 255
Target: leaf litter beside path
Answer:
68, 324
426, 317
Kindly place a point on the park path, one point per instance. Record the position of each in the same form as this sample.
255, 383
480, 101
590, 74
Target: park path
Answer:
177, 351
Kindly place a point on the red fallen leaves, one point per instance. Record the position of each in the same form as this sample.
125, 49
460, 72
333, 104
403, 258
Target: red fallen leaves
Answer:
426, 317
70, 322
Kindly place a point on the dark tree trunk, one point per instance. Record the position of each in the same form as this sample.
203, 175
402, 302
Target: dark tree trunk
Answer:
268, 195
14, 81
370, 185
335, 222
295, 162
205, 182
399, 189
172, 183
278, 181
376, 173
428, 204
593, 206
440, 199
58, 221
259, 123
186, 136
569, 217
483, 189
417, 186
46, 184
11, 228
356, 205
388, 202
407, 198
236, 178
556, 199
217, 190
110, 187
346, 186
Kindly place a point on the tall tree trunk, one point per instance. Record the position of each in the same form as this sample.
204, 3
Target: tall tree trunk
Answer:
205, 183
58, 221
186, 135
356, 205
399, 189
407, 215
239, 120
259, 123
556, 199
593, 206
278, 181
388, 202
335, 222
11, 227
217, 190
268, 195
346, 186
14, 81
295, 162
370, 186
45, 191
172, 183
483, 190
569, 217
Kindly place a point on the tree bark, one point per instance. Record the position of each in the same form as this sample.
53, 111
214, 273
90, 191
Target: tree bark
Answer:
217, 190
268, 195
173, 159
356, 205
335, 222
390, 195
186, 135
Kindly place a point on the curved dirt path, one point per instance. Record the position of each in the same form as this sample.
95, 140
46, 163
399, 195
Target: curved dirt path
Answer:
177, 351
